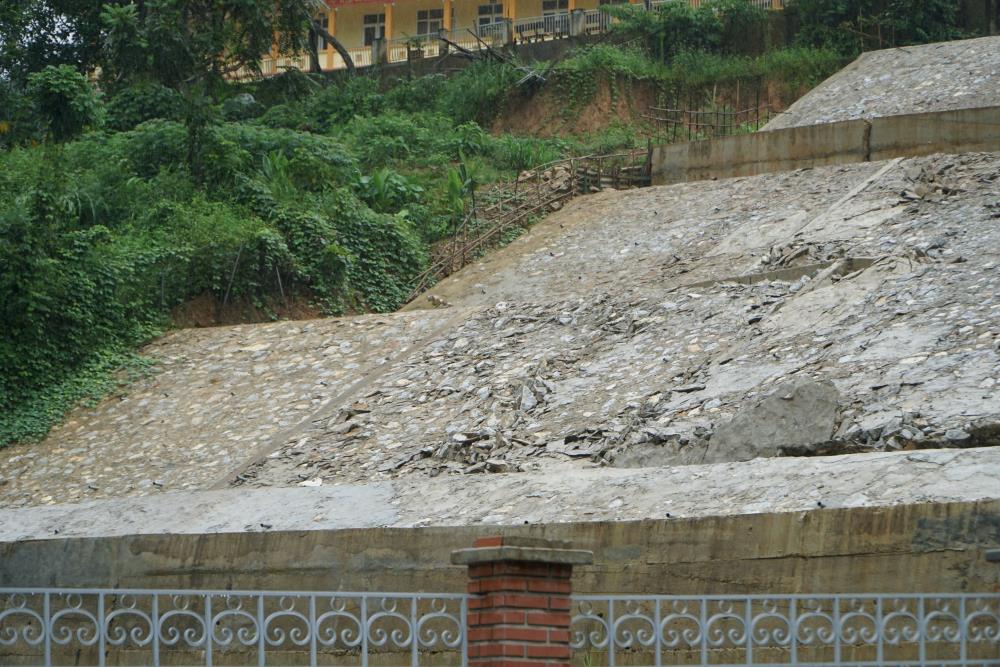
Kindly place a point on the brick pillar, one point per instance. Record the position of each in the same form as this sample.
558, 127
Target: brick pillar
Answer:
519, 612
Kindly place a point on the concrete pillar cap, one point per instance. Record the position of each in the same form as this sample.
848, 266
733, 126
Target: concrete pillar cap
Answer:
525, 549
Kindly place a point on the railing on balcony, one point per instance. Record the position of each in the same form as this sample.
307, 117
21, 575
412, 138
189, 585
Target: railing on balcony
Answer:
527, 29
536, 28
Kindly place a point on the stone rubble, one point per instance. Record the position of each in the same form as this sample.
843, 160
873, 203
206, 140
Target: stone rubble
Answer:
629, 329
933, 77
895, 311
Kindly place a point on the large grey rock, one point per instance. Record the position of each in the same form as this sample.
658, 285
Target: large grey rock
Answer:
798, 415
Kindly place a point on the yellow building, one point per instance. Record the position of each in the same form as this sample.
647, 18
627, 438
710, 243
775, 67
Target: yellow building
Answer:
408, 25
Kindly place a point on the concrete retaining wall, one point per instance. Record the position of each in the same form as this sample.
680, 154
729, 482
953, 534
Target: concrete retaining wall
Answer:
844, 142
928, 547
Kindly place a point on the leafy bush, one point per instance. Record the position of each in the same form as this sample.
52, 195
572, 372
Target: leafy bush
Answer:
676, 26
478, 92
386, 191
65, 100
852, 26
520, 153
137, 104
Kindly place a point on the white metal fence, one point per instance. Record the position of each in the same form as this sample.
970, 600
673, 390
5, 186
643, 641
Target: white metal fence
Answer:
961, 629
153, 627
146, 627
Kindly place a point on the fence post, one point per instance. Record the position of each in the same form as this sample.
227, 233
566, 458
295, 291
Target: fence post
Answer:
577, 23
508, 32
380, 51
519, 606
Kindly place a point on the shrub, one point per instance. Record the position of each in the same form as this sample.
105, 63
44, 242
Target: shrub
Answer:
137, 104
65, 100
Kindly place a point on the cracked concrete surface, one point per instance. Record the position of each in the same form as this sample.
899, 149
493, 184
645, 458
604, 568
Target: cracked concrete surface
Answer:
567, 493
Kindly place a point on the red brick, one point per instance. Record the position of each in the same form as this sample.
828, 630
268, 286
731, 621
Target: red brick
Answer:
503, 584
480, 634
520, 634
498, 617
480, 603
491, 541
561, 571
544, 651
559, 636
481, 570
496, 649
559, 603
475, 587
522, 568
550, 586
522, 601
507, 662
548, 618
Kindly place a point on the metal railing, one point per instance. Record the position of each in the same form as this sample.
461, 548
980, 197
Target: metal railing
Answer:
528, 29
152, 627
670, 125
598, 21
895, 629
542, 27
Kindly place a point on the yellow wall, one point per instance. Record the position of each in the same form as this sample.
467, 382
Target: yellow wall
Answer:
349, 18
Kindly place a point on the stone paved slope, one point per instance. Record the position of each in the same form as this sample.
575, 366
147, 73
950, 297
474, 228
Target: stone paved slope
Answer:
912, 79
629, 338
219, 394
846, 309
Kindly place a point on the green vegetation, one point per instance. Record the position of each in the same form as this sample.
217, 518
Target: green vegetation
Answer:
853, 26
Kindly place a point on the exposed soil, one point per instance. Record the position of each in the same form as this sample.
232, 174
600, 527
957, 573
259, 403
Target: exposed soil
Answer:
546, 114
207, 310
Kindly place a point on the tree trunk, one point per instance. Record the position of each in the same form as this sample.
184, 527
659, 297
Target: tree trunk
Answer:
318, 29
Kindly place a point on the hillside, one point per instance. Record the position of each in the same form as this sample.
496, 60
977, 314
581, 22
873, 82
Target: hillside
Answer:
641, 328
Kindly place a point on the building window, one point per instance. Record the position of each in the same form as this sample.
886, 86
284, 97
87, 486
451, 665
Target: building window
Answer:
430, 21
490, 14
602, 3
320, 40
374, 27
550, 7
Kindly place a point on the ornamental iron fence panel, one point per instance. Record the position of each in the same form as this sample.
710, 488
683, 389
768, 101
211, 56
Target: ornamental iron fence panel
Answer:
788, 630
149, 627
189, 627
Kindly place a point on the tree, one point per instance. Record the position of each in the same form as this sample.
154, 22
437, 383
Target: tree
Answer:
852, 26
191, 42
65, 100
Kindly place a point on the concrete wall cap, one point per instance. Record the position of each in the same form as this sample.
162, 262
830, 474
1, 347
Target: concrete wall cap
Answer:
524, 554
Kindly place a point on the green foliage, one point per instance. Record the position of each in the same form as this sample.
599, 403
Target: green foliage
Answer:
65, 100
100, 237
177, 42
386, 191
852, 26
142, 102
520, 153
677, 26
478, 92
